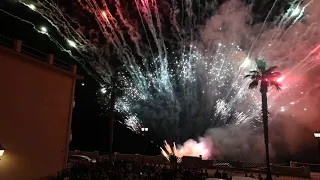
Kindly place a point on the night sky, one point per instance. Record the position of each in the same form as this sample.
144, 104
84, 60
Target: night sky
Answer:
90, 122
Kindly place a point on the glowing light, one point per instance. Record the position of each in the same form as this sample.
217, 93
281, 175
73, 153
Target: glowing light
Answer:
72, 43
282, 109
82, 84
296, 11
103, 90
1, 151
246, 62
280, 79
43, 29
31, 6
104, 14
189, 148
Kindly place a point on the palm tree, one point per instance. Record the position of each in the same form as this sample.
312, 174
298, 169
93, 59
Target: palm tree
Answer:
267, 78
116, 90
111, 114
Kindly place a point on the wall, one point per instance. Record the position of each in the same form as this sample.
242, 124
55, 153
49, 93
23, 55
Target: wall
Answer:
35, 114
137, 157
291, 171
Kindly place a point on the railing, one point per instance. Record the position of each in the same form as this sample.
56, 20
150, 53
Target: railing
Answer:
27, 50
5, 41
94, 154
313, 167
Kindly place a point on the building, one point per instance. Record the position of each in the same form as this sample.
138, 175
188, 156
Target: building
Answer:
36, 102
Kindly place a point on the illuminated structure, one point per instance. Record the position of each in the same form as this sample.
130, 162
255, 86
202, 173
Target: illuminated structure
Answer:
35, 111
317, 136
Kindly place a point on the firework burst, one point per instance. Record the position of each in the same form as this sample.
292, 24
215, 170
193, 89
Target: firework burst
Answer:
190, 148
182, 65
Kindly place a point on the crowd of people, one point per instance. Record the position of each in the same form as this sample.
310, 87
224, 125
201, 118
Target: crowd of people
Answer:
128, 170
133, 170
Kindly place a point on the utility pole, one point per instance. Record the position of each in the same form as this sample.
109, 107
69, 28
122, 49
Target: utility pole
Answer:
111, 115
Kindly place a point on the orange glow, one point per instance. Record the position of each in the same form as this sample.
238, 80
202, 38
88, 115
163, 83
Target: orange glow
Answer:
104, 14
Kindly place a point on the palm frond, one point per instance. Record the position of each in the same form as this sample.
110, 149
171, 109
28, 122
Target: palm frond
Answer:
254, 72
271, 69
261, 64
253, 84
253, 77
248, 76
276, 85
274, 75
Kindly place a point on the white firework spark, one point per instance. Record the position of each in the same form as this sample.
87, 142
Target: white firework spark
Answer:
182, 82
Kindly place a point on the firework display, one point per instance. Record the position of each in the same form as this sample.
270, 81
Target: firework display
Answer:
182, 63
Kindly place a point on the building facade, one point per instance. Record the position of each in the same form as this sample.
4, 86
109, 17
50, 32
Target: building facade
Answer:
36, 102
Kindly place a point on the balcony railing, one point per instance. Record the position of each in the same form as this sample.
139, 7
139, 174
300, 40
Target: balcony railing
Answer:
18, 46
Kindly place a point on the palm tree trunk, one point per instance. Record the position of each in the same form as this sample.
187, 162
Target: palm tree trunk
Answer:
264, 90
111, 119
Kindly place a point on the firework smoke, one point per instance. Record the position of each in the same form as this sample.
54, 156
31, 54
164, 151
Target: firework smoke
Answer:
182, 67
202, 149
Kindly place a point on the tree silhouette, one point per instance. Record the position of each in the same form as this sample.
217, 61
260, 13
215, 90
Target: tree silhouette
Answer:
266, 77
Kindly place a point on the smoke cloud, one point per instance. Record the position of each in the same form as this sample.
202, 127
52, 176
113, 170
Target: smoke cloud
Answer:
290, 41
292, 44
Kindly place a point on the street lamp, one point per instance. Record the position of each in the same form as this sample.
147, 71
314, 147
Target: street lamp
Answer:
144, 148
317, 136
1, 151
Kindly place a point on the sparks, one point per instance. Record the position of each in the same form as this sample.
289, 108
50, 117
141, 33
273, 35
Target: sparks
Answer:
187, 72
